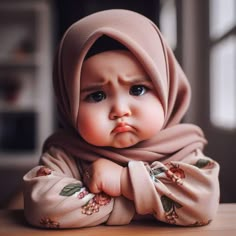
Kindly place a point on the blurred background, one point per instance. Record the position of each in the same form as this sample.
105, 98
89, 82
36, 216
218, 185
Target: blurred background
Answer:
201, 33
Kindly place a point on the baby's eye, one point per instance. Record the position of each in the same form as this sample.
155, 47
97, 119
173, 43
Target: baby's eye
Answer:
138, 90
96, 96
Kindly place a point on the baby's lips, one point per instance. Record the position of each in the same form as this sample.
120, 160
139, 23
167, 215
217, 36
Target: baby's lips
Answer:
121, 128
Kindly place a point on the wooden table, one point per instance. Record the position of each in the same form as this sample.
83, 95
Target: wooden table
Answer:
13, 223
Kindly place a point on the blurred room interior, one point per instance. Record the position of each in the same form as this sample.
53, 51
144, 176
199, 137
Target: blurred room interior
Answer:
202, 34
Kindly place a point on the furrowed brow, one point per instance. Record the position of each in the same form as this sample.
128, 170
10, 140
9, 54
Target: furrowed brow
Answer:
140, 80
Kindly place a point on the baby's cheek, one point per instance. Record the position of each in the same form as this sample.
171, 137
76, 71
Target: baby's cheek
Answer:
93, 128
154, 120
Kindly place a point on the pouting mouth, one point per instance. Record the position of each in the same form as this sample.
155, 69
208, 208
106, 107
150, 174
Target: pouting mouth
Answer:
122, 127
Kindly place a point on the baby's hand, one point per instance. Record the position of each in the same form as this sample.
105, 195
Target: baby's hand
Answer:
104, 176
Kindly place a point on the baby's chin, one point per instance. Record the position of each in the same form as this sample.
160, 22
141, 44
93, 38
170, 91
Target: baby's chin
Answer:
125, 142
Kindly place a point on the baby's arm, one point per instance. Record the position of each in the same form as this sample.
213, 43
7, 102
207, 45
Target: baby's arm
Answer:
55, 196
103, 176
182, 193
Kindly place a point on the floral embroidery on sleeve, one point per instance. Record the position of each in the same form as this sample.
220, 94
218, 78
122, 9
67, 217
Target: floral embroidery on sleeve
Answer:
94, 204
204, 163
155, 172
70, 189
169, 207
174, 173
49, 223
43, 171
82, 193
200, 223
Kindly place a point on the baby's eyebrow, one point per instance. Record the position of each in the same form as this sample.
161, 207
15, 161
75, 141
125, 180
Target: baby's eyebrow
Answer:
136, 80
141, 80
100, 84
91, 88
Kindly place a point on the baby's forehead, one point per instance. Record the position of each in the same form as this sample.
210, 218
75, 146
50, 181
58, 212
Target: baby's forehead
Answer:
114, 65
121, 60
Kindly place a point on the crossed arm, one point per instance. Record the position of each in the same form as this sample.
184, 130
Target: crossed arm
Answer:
183, 193
106, 176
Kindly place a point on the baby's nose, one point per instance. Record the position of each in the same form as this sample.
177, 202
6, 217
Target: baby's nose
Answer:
120, 109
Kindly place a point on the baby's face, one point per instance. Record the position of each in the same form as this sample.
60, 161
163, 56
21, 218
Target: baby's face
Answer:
119, 106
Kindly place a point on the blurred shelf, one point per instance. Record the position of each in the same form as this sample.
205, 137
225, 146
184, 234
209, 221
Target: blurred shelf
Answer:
4, 108
27, 62
26, 111
22, 160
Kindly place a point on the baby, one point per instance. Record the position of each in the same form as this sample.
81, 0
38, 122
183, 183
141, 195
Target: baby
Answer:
122, 153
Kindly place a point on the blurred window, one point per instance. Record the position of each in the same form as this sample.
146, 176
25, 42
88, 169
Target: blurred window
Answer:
168, 22
223, 63
222, 17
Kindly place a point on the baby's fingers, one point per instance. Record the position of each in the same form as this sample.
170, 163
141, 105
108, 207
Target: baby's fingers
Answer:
90, 182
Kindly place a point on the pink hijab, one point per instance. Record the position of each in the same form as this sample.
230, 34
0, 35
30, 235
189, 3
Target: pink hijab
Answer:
144, 40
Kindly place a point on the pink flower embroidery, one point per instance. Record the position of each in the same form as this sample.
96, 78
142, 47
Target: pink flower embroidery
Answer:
43, 171
49, 223
102, 199
200, 223
170, 207
94, 204
171, 217
82, 194
175, 174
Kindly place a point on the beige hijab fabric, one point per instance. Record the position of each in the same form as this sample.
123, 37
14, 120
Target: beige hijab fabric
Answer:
144, 40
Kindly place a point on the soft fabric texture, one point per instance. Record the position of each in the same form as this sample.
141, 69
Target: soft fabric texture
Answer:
169, 172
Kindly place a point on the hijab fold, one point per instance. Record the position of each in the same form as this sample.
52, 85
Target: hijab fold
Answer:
142, 38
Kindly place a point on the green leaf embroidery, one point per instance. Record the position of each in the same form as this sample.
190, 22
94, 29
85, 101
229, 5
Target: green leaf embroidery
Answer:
201, 163
155, 172
70, 189
177, 205
158, 171
168, 204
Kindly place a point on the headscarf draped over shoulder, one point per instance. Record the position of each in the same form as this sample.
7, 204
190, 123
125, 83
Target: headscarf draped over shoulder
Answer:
142, 38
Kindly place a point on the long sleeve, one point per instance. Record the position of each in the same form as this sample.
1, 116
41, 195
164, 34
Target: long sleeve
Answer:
55, 197
181, 193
